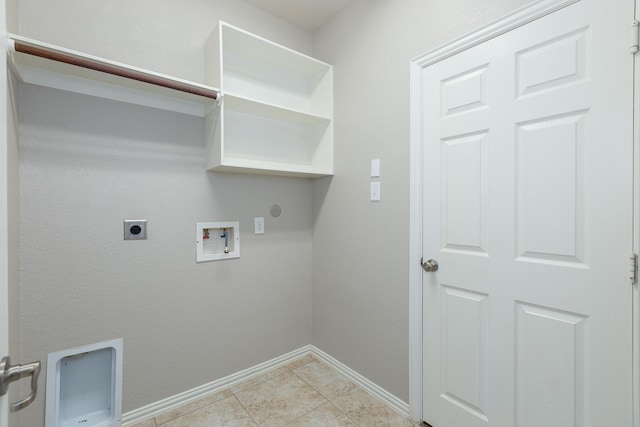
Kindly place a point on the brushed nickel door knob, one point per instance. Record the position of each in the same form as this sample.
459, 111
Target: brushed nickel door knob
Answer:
429, 265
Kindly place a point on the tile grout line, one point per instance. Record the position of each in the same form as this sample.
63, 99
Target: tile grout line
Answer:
346, 415
244, 409
257, 384
242, 405
309, 385
312, 387
328, 401
292, 371
189, 412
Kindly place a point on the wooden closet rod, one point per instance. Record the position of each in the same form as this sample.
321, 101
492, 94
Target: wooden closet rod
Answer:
112, 69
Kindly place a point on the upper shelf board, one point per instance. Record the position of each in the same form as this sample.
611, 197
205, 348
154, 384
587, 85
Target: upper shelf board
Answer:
48, 65
253, 46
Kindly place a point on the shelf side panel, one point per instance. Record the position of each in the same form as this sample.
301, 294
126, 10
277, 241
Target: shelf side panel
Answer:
322, 155
214, 140
321, 94
213, 58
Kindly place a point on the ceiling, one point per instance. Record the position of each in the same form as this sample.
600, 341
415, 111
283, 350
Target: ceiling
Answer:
307, 14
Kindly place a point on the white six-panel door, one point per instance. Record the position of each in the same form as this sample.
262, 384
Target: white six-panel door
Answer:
527, 207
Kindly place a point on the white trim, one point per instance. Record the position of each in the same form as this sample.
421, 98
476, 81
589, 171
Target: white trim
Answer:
510, 22
4, 219
415, 245
636, 234
172, 402
370, 387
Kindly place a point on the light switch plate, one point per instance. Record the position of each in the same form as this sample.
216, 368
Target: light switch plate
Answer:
258, 225
375, 192
375, 168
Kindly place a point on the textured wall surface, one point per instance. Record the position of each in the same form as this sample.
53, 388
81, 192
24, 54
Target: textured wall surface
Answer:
12, 15
86, 164
161, 35
361, 249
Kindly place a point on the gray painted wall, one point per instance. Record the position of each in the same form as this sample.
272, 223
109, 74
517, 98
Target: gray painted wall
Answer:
163, 35
86, 164
361, 249
12, 15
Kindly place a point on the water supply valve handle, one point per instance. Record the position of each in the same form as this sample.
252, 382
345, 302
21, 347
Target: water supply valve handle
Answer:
9, 374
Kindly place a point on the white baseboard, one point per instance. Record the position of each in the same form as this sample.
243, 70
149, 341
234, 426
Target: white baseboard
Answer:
374, 389
172, 402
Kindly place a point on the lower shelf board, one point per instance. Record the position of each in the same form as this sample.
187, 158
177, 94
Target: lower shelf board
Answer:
272, 170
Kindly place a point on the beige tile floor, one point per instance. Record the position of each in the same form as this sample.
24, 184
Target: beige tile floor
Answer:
306, 392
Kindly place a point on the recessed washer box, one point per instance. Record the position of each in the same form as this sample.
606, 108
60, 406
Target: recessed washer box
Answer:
217, 240
84, 386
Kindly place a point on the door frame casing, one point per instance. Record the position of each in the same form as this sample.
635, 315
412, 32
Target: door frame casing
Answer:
636, 233
508, 23
4, 208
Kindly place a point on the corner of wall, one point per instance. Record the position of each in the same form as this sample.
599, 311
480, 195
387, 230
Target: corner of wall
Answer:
12, 10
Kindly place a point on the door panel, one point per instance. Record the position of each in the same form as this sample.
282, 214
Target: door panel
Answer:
550, 188
464, 353
550, 387
464, 162
527, 207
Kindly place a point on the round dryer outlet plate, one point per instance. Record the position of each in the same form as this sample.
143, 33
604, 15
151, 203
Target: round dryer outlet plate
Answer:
135, 229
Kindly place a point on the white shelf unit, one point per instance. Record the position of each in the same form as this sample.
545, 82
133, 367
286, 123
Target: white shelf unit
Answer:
277, 107
44, 64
